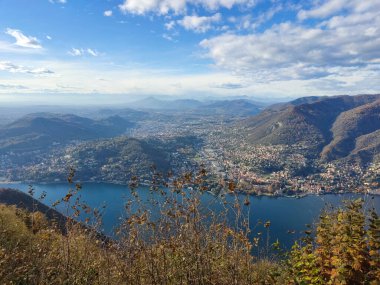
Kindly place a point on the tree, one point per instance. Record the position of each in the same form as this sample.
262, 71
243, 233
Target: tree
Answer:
345, 250
374, 247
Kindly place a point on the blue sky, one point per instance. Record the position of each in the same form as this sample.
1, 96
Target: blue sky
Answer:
109, 51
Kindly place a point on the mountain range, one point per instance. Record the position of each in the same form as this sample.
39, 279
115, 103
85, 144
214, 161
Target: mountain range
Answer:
233, 107
327, 129
330, 127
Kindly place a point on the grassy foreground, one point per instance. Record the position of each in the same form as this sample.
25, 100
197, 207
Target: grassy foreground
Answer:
184, 246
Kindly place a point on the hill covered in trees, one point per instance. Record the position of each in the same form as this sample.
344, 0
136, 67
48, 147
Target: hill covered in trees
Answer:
111, 160
329, 127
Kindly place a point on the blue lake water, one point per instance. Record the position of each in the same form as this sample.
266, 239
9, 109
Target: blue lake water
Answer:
284, 213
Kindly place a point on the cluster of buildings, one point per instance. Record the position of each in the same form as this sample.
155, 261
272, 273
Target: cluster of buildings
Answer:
227, 154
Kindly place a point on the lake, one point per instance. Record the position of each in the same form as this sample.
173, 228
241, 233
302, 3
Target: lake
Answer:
285, 214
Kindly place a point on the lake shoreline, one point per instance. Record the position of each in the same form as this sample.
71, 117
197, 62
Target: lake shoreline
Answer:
297, 196
285, 213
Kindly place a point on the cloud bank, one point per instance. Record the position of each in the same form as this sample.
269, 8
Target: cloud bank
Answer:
336, 46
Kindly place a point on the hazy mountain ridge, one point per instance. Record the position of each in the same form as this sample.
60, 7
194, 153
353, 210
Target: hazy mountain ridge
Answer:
295, 102
157, 104
240, 107
233, 107
41, 130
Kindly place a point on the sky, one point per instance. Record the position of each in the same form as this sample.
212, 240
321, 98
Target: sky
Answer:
106, 51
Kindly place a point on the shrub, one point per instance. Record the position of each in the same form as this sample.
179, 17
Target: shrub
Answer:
345, 249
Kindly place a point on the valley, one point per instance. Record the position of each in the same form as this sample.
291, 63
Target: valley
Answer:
312, 145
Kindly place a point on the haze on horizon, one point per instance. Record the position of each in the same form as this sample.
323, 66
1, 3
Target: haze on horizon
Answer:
115, 51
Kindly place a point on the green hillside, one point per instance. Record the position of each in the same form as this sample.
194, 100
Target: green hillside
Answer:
112, 160
349, 127
327, 126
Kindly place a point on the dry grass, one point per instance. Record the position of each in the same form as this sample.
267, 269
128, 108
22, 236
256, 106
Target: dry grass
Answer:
186, 244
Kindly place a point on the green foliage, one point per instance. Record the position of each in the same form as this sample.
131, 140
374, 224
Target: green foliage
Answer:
374, 246
303, 266
345, 249
186, 244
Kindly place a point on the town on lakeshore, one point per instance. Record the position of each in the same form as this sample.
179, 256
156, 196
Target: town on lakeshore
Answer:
247, 151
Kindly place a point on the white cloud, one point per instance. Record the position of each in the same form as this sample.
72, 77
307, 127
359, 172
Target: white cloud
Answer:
92, 52
216, 4
83, 77
253, 21
107, 13
143, 6
199, 24
287, 51
48, 37
266, 16
170, 25
331, 7
175, 8
168, 37
81, 52
11, 86
23, 40
58, 1
120, 82
229, 85
338, 52
9, 48
14, 68
164, 7
76, 52
328, 8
